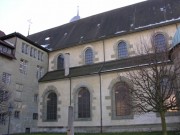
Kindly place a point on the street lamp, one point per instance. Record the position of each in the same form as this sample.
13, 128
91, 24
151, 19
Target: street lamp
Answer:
10, 108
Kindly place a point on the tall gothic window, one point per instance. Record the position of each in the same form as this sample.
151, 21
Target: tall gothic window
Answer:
89, 56
122, 50
83, 103
122, 99
52, 106
60, 62
160, 42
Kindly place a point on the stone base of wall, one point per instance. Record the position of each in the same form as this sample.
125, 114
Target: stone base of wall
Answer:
139, 128
106, 129
129, 128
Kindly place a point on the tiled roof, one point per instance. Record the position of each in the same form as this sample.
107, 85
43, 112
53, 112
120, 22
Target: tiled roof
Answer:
110, 66
125, 20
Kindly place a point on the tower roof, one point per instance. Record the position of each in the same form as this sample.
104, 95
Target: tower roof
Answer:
77, 17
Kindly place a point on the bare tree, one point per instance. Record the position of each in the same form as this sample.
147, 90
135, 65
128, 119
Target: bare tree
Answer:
4, 102
155, 84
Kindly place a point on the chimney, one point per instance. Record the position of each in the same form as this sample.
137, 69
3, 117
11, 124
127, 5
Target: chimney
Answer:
66, 64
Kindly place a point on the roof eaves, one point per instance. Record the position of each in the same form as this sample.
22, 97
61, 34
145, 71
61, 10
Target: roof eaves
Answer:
98, 68
6, 44
16, 34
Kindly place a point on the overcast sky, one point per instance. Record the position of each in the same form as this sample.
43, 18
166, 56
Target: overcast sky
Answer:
45, 14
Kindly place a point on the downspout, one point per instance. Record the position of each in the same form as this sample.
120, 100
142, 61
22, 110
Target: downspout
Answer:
70, 90
100, 101
176, 25
100, 87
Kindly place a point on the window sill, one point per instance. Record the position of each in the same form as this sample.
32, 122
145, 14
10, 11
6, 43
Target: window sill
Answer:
170, 114
50, 120
83, 119
122, 117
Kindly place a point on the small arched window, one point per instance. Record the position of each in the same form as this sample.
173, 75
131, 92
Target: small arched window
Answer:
60, 62
160, 42
51, 106
89, 56
122, 99
84, 103
122, 50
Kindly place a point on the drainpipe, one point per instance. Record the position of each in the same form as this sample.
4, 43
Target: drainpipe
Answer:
101, 124
100, 87
70, 90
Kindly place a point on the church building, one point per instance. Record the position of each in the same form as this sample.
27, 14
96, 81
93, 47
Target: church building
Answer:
85, 65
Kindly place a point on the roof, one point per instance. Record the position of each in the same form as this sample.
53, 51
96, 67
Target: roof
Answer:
110, 66
176, 38
121, 21
16, 34
6, 44
75, 18
5, 53
175, 42
2, 33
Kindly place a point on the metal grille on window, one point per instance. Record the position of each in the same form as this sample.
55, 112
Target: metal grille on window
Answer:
2, 118
35, 116
23, 47
83, 103
122, 50
52, 106
32, 52
39, 72
6, 78
35, 53
60, 62
23, 66
89, 56
16, 114
160, 42
122, 100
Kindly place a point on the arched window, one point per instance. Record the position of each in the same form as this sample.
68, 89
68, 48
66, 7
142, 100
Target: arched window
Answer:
83, 103
122, 50
51, 106
122, 99
89, 56
168, 94
60, 62
160, 42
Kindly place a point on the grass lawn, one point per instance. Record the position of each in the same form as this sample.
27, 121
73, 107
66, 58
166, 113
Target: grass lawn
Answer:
126, 133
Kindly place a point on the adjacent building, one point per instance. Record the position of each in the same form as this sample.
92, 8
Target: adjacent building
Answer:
22, 64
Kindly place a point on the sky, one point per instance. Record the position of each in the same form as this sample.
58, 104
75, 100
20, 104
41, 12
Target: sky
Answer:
46, 14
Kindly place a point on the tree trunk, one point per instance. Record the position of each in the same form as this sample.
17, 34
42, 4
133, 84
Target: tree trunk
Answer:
163, 123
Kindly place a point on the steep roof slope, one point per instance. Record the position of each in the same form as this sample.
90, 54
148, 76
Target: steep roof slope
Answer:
137, 17
2, 33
